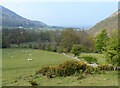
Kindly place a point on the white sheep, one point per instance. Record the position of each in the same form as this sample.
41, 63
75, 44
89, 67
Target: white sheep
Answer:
75, 57
29, 59
63, 53
30, 54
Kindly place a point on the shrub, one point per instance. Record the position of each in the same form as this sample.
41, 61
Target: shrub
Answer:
70, 67
90, 59
91, 70
77, 49
60, 49
48, 47
5, 44
44, 70
34, 46
51, 73
33, 83
106, 67
65, 69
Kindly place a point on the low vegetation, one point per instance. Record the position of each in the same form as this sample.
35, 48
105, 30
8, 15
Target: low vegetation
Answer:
72, 67
90, 59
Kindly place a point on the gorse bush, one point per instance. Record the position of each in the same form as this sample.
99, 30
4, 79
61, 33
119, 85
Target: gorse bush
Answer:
52, 71
90, 59
65, 69
44, 70
92, 70
72, 67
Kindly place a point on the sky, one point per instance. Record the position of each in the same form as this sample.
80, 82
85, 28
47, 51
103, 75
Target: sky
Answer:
66, 14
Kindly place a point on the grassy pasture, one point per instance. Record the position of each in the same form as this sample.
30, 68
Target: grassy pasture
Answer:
17, 70
100, 57
15, 63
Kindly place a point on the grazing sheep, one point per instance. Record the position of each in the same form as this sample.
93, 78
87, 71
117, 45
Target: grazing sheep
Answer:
29, 59
63, 53
75, 57
30, 54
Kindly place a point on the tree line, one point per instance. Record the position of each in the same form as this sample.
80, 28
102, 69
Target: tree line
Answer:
52, 40
69, 40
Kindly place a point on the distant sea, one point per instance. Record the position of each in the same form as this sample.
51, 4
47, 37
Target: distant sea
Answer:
81, 27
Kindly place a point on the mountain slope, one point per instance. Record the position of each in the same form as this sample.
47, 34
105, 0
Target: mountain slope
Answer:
109, 24
11, 19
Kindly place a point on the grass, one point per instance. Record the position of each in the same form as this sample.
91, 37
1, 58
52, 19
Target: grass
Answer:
17, 71
15, 62
101, 58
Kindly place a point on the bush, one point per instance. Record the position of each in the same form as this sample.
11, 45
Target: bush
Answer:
65, 69
60, 49
34, 46
52, 72
106, 67
77, 49
70, 67
44, 70
90, 59
33, 83
5, 44
92, 70
48, 47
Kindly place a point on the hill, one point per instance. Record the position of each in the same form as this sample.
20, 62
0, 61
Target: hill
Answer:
11, 19
109, 24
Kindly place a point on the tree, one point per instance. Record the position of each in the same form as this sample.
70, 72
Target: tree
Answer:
77, 49
90, 44
113, 48
5, 44
68, 39
101, 40
48, 47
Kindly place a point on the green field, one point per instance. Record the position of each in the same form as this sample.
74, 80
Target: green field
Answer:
100, 57
17, 70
